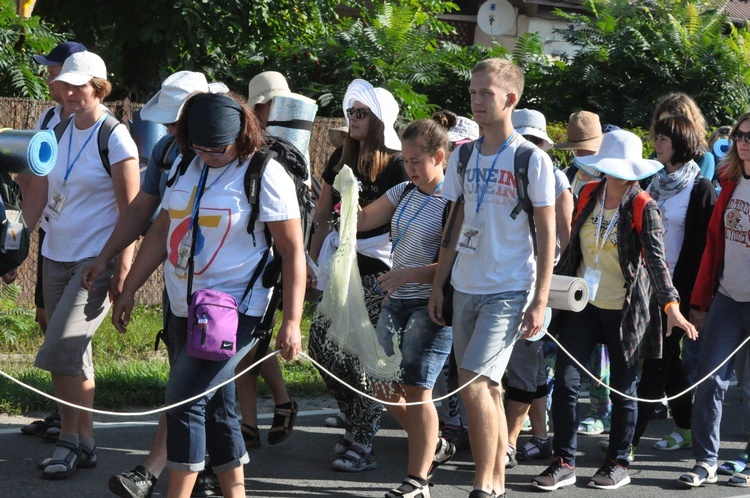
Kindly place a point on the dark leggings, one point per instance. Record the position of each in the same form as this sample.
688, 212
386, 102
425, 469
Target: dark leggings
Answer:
665, 375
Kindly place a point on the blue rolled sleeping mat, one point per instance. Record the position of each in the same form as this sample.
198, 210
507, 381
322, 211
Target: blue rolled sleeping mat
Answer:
145, 135
28, 151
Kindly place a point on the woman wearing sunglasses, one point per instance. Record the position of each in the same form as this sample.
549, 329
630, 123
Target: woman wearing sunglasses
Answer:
371, 150
721, 292
224, 135
686, 200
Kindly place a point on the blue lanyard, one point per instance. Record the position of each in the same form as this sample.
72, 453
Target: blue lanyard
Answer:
480, 197
419, 210
70, 144
199, 191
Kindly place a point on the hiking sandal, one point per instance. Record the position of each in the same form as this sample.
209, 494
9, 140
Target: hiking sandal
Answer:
731, 467
680, 438
69, 463
410, 488
87, 459
356, 459
443, 452
740, 480
39, 427
251, 435
536, 447
283, 422
695, 479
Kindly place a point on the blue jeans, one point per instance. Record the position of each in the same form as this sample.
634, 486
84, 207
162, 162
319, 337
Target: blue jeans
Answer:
210, 422
727, 325
425, 345
579, 334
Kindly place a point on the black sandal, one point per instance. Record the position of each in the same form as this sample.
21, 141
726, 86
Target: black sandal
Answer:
70, 462
251, 435
283, 422
39, 427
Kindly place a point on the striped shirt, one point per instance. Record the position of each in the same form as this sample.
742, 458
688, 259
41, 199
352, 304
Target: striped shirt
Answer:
416, 234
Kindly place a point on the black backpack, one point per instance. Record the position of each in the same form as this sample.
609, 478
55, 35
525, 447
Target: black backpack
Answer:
105, 131
11, 196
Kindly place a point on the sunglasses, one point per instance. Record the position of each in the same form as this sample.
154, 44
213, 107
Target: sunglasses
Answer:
358, 112
740, 135
215, 153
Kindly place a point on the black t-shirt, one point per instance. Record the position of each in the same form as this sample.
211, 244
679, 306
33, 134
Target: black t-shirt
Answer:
392, 175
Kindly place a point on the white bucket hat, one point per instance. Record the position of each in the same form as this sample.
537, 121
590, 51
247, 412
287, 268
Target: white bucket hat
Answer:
620, 156
81, 67
381, 103
166, 105
531, 122
465, 129
265, 86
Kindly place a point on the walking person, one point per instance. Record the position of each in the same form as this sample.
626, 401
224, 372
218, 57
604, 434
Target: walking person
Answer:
686, 200
721, 305
371, 149
416, 211
493, 272
615, 224
84, 200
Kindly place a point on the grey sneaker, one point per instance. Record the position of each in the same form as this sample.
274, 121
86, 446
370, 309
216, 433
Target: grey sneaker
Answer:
611, 475
134, 483
555, 476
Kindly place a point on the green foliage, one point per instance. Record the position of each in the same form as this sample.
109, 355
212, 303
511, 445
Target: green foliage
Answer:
13, 319
20, 39
630, 54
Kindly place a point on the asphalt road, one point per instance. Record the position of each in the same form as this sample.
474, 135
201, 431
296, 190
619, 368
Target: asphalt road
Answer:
301, 466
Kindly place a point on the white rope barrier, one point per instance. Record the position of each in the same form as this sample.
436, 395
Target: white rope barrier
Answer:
367, 395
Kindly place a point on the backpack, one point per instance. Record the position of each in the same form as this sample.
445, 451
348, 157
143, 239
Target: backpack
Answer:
163, 162
47, 118
15, 234
639, 204
105, 131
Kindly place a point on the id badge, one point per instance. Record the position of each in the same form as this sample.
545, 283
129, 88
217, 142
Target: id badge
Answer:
57, 202
11, 237
183, 254
592, 278
468, 239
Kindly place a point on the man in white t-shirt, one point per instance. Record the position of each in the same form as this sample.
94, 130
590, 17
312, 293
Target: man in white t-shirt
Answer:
495, 274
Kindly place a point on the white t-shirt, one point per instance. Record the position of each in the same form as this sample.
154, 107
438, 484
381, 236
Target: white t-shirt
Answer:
225, 257
673, 213
504, 260
90, 210
561, 185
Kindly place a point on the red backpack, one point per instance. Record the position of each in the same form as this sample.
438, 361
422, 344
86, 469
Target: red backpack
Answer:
639, 204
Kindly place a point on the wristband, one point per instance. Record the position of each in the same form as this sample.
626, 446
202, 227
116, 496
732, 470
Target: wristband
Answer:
670, 303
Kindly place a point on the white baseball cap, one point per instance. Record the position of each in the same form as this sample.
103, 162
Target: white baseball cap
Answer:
81, 67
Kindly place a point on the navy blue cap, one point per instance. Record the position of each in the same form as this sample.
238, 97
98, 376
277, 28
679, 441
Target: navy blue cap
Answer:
61, 52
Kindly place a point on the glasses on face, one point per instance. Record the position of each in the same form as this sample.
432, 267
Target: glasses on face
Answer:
738, 136
359, 112
207, 152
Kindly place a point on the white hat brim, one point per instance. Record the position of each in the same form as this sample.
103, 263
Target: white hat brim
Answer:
624, 169
152, 112
536, 133
75, 79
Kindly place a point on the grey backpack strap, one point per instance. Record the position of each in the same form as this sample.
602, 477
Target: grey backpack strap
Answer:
521, 171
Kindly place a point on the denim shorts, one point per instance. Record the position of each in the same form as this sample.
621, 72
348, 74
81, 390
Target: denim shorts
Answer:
209, 423
485, 327
424, 345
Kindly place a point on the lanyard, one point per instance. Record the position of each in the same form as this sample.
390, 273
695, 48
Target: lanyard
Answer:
199, 191
70, 144
481, 194
612, 224
419, 210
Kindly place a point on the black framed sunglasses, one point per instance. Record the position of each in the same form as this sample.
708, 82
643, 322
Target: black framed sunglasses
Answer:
738, 135
215, 153
358, 112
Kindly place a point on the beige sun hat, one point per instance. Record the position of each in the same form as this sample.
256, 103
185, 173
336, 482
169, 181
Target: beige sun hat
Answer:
584, 132
337, 135
265, 86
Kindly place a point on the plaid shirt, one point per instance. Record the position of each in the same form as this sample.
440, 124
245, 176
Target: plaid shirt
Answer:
644, 266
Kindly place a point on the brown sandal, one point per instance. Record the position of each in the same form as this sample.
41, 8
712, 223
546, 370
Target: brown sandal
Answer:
283, 422
251, 435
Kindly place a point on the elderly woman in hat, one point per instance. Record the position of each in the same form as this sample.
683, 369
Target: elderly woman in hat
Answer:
616, 246
223, 134
371, 149
84, 201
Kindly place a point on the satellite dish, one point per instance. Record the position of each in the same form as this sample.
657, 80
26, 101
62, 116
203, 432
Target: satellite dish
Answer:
496, 17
